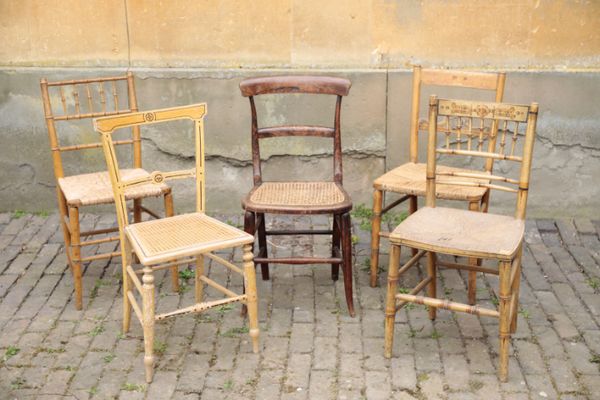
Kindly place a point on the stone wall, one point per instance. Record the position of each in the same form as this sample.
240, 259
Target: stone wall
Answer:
191, 51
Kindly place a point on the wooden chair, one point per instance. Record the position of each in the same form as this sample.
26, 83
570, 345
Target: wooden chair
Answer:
408, 180
465, 233
176, 240
301, 198
85, 99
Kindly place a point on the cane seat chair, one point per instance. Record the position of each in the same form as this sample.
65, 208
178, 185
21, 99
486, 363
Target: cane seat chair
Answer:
81, 100
300, 197
177, 240
466, 233
408, 180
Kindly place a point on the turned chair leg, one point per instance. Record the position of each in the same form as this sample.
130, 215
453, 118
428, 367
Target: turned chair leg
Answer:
432, 287
169, 212
347, 260
504, 326
76, 255
251, 300
261, 226
127, 284
375, 229
335, 247
148, 322
390, 299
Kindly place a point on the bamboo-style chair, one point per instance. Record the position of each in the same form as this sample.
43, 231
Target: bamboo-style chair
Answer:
173, 241
300, 198
84, 99
466, 233
408, 180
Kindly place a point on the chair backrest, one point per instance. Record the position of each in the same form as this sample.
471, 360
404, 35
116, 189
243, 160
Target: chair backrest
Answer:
488, 81
81, 99
471, 119
107, 125
323, 85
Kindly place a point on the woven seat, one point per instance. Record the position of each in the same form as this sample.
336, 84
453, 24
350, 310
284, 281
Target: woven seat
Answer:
182, 235
298, 196
95, 188
453, 231
410, 179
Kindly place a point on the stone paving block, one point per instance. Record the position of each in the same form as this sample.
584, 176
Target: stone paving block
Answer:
302, 338
404, 376
325, 353
322, 385
540, 386
298, 373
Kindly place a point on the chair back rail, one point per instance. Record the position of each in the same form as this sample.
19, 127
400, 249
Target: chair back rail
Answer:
488, 81
106, 126
79, 99
509, 121
323, 85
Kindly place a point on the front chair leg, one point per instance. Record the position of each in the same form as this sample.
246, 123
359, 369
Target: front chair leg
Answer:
335, 247
169, 212
432, 287
127, 283
347, 260
76, 255
504, 310
390, 299
375, 229
261, 228
472, 275
148, 321
251, 297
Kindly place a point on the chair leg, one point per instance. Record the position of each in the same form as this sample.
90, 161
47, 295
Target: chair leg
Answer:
249, 227
335, 247
76, 255
412, 208
64, 215
261, 226
137, 211
198, 285
148, 322
375, 229
126, 258
432, 287
251, 299
504, 309
169, 212
390, 302
516, 285
347, 260
472, 275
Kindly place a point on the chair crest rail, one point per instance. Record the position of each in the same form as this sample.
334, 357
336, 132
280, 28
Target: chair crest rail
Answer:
159, 177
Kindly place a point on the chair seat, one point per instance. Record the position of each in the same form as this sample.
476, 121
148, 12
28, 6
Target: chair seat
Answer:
183, 235
298, 197
410, 178
461, 232
95, 188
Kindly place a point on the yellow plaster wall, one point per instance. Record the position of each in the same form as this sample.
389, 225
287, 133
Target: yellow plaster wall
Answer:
530, 34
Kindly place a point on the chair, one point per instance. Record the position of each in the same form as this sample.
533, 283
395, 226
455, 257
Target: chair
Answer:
300, 198
176, 240
466, 233
82, 100
408, 180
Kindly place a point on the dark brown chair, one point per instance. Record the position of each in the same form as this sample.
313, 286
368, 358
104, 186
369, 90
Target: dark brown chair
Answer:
300, 198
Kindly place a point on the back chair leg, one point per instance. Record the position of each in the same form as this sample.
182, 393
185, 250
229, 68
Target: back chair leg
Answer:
515, 287
148, 322
261, 226
251, 301
347, 260
432, 287
375, 229
412, 208
169, 212
504, 309
390, 299
198, 284
472, 275
335, 247
76, 255
137, 211
249, 227
127, 284
64, 214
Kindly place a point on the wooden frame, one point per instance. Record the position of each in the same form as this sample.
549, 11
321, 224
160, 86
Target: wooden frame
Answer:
476, 201
298, 197
171, 242
502, 240
83, 99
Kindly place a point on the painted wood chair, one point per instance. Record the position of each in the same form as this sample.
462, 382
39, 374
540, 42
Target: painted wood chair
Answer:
465, 233
300, 198
81, 100
173, 241
408, 180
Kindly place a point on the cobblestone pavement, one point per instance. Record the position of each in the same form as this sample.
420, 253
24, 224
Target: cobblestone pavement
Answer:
310, 347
